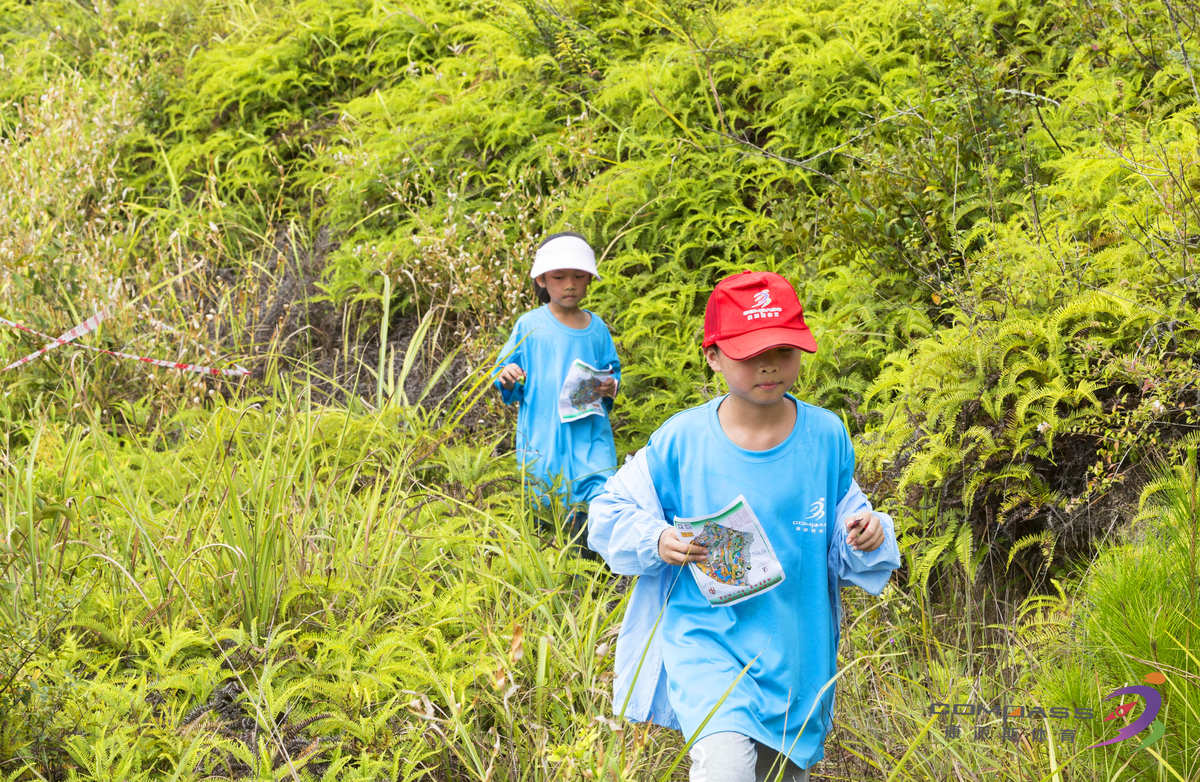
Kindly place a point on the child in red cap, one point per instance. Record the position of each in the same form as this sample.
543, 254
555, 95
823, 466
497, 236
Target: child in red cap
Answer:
754, 494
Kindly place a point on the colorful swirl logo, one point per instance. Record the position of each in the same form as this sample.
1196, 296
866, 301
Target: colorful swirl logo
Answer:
1144, 720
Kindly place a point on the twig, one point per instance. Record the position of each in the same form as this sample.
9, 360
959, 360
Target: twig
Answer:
627, 227
909, 112
1028, 94
1182, 50
1038, 110
12, 675
766, 152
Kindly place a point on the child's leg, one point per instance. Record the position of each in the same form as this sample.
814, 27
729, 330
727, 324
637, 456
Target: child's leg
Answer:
723, 757
577, 527
770, 763
732, 757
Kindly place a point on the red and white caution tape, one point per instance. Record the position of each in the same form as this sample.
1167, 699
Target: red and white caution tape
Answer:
86, 327
90, 325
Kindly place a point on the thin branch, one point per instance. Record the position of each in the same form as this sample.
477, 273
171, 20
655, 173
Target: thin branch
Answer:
909, 112
1028, 94
766, 152
1182, 49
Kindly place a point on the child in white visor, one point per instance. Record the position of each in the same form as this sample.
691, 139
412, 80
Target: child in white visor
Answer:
560, 367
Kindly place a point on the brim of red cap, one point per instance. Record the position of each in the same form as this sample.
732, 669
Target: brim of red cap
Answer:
755, 342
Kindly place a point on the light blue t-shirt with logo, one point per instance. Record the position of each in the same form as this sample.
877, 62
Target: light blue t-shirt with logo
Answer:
786, 638
577, 456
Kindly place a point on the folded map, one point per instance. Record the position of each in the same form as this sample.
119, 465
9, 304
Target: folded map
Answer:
741, 562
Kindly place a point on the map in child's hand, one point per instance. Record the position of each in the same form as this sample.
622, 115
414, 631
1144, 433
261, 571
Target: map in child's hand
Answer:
580, 393
728, 558
740, 562
587, 392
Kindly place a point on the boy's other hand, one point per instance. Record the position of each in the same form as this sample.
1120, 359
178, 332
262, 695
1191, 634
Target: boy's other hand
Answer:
510, 376
673, 550
607, 387
864, 532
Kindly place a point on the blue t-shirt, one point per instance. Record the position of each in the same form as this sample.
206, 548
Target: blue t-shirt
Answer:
577, 456
787, 636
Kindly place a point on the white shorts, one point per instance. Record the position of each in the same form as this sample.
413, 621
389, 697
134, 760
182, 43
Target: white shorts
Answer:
732, 757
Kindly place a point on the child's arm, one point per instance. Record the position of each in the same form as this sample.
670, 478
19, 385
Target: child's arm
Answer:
508, 375
864, 531
608, 388
626, 521
863, 551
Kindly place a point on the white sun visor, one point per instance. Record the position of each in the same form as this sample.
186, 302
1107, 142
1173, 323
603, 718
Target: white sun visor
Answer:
564, 252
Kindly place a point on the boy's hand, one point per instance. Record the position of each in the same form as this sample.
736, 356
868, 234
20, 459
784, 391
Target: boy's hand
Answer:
864, 532
607, 387
674, 551
510, 376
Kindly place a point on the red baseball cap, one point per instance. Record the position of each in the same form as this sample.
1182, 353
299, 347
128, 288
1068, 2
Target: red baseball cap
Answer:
750, 312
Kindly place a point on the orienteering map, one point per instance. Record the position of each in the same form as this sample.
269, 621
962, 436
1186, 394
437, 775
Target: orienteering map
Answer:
580, 394
740, 562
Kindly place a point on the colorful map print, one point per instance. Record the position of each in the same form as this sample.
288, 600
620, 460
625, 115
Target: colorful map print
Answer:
580, 393
587, 392
740, 563
728, 554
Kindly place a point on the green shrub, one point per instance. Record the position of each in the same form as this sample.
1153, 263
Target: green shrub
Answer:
1134, 618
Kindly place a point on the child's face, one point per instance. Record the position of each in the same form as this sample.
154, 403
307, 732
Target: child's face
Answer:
565, 286
761, 379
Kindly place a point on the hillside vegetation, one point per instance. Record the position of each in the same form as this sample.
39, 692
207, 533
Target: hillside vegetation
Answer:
326, 568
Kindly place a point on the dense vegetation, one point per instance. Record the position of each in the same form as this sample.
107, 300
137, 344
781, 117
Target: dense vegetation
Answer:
991, 209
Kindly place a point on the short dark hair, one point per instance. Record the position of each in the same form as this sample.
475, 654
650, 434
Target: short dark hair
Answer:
542, 294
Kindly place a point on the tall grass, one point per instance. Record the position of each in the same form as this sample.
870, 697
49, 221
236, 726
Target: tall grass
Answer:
1131, 614
330, 570
301, 560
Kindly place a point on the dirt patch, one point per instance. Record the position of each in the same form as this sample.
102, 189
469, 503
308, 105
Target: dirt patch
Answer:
289, 329
225, 714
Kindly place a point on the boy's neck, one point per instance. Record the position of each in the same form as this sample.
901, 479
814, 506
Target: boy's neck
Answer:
756, 427
575, 317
